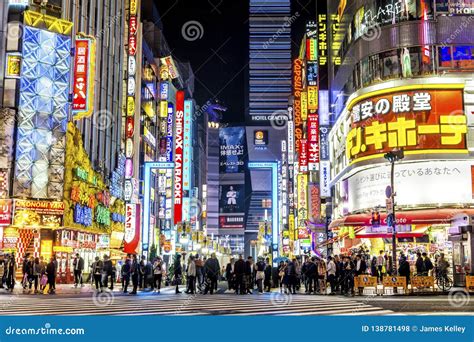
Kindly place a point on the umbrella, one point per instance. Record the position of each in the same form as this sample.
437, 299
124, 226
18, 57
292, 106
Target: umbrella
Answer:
280, 259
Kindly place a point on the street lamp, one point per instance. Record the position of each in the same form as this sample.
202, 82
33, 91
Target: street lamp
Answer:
393, 157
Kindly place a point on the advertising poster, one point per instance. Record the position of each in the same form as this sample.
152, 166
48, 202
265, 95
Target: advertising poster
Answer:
232, 199
232, 149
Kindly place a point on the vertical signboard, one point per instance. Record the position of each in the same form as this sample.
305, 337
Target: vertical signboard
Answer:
325, 178
84, 73
313, 142
188, 109
132, 228
178, 158
297, 89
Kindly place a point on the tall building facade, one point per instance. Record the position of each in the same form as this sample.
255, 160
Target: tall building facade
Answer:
269, 87
400, 76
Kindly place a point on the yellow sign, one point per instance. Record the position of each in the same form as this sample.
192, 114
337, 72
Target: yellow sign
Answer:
13, 66
469, 282
48, 22
313, 98
302, 199
163, 109
422, 281
365, 281
63, 249
304, 105
390, 281
133, 7
130, 106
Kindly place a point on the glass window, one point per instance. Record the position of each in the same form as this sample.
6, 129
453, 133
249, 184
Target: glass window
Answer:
444, 57
390, 65
462, 56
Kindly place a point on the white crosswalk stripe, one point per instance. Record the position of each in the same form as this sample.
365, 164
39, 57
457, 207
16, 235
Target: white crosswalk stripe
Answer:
181, 304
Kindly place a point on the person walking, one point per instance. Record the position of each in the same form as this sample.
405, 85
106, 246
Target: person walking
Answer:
267, 283
249, 270
96, 270
373, 267
135, 274
322, 269
125, 273
331, 271
404, 268
380, 266
229, 274
178, 272
239, 271
141, 273
51, 274
291, 276
43, 276
348, 276
158, 270
427, 264
78, 265
312, 275
24, 270
419, 265
107, 272
10, 270
260, 274
212, 270
191, 275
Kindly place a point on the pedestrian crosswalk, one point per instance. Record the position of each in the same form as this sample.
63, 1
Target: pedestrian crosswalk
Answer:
168, 303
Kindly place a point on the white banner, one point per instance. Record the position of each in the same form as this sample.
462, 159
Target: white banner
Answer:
431, 182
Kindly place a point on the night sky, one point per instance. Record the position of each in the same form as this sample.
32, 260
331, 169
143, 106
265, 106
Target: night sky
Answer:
219, 57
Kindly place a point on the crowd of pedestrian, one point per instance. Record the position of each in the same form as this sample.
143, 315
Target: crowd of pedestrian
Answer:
200, 274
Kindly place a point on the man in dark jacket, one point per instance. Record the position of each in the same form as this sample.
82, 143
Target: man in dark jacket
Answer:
291, 274
178, 272
348, 276
311, 274
420, 265
51, 273
404, 268
107, 271
267, 284
360, 265
126, 269
135, 272
141, 273
239, 271
212, 269
428, 265
78, 265
249, 274
229, 274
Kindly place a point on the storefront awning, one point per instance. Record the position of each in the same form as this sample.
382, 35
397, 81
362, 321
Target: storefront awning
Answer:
419, 232
426, 216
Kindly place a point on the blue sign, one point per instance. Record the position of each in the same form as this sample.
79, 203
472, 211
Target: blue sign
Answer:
164, 90
83, 215
169, 135
324, 142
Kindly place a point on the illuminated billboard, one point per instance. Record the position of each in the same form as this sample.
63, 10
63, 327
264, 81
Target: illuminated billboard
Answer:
419, 120
178, 158
187, 149
83, 82
232, 149
42, 114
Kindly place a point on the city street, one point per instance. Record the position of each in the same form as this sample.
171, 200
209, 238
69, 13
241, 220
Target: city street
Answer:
83, 301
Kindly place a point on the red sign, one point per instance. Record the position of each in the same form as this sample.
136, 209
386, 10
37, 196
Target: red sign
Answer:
5, 212
178, 158
303, 155
132, 25
130, 125
132, 45
315, 203
81, 74
132, 228
297, 89
413, 120
313, 142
